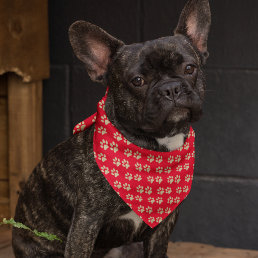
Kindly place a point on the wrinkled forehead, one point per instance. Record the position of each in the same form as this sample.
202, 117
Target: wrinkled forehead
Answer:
167, 51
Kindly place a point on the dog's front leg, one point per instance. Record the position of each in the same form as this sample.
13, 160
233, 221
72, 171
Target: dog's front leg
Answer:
82, 235
155, 246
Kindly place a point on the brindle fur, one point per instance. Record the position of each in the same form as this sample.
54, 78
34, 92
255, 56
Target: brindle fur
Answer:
66, 194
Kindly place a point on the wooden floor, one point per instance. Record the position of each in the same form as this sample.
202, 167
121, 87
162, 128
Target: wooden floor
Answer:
176, 250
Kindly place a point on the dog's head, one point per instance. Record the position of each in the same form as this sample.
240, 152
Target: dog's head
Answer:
155, 85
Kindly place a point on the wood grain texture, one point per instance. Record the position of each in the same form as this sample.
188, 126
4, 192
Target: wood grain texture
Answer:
3, 130
5, 239
24, 38
4, 188
196, 250
3, 85
4, 177
3, 139
25, 132
4, 208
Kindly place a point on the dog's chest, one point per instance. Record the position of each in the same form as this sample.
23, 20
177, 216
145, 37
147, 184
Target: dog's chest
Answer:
172, 143
132, 216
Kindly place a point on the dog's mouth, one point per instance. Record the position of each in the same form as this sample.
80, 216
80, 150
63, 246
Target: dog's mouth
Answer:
160, 123
193, 111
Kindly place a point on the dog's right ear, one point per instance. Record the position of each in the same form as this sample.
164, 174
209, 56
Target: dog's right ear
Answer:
94, 47
194, 23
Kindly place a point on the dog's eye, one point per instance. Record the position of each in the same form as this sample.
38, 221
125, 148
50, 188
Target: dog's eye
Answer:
137, 81
189, 69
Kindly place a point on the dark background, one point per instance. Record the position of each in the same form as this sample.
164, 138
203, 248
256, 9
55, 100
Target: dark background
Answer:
222, 208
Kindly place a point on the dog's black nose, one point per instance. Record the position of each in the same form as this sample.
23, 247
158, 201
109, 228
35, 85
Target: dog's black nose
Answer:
170, 90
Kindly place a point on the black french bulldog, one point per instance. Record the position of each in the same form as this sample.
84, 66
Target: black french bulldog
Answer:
156, 90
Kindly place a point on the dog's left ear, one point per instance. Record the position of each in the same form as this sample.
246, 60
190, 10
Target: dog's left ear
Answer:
194, 23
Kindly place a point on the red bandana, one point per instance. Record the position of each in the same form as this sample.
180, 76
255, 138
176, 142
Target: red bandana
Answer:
152, 183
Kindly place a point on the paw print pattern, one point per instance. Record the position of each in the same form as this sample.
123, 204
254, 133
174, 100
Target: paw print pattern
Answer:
177, 179
105, 170
101, 104
128, 176
117, 184
151, 200
128, 153
116, 161
125, 164
159, 200
129, 197
149, 210
159, 170
158, 219
102, 157
94, 119
160, 190
148, 190
141, 209
170, 200
104, 120
158, 179
193, 133
187, 178
146, 168
126, 142
193, 154
150, 158
179, 168
114, 172
179, 190
186, 166
104, 144
168, 170
185, 188
114, 147
188, 156
138, 166
177, 200
168, 190
140, 189
137, 155
150, 179
178, 158
160, 210
186, 146
102, 130
168, 210
138, 198
151, 219
171, 159
159, 159
137, 177
118, 137
127, 187
170, 179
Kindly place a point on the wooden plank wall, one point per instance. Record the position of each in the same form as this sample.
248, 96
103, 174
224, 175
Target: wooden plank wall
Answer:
4, 174
20, 137
25, 132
